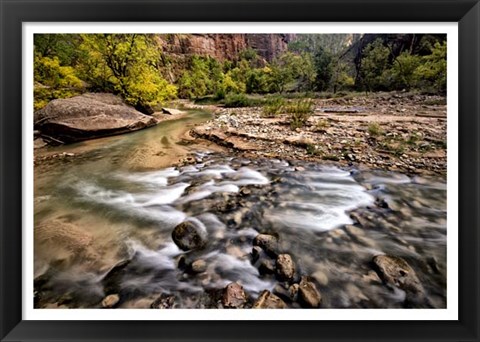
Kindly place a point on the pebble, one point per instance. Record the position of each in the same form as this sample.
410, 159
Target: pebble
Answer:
110, 301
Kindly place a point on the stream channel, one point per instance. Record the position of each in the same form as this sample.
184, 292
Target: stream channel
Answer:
104, 222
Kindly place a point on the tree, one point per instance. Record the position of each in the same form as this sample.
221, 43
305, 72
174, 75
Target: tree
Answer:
374, 63
341, 75
324, 68
433, 69
292, 70
195, 80
403, 70
128, 64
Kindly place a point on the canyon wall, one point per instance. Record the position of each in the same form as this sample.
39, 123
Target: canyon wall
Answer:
225, 46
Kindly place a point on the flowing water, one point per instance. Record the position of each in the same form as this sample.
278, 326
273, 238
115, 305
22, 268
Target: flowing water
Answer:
103, 225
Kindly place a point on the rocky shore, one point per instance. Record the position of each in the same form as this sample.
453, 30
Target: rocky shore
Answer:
391, 131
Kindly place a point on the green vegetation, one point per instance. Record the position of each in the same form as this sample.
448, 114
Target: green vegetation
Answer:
322, 125
125, 63
239, 100
380, 70
374, 129
135, 67
273, 106
303, 106
300, 111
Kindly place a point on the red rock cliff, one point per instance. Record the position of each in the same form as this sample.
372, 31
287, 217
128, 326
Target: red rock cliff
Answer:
225, 46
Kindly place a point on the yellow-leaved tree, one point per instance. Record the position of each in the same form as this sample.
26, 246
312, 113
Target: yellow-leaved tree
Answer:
128, 65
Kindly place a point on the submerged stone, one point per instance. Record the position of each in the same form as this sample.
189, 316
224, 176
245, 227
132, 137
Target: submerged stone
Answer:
187, 236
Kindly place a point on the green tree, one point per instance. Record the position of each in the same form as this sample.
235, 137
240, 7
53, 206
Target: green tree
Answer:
433, 69
195, 81
292, 71
341, 76
403, 70
324, 69
374, 63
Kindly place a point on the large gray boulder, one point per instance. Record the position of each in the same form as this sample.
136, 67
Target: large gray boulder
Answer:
88, 116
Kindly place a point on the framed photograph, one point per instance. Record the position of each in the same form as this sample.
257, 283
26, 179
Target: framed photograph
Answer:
239, 171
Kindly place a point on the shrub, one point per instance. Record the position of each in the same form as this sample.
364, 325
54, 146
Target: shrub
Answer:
322, 125
238, 100
300, 111
299, 107
374, 129
273, 106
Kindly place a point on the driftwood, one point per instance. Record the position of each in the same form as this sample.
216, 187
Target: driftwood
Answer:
434, 116
47, 137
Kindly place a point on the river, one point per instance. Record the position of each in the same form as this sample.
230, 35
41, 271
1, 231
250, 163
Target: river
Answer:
103, 224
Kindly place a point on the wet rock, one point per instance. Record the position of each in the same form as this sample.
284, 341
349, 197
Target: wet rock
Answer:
293, 291
111, 281
199, 266
308, 294
256, 253
110, 301
285, 267
187, 236
396, 272
164, 301
268, 300
433, 263
234, 296
268, 243
267, 266
320, 277
281, 291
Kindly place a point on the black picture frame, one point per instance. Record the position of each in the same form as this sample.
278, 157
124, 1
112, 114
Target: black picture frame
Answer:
14, 12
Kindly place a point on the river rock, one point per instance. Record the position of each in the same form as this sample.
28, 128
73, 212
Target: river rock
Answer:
256, 253
395, 271
234, 296
308, 294
172, 111
187, 236
164, 301
199, 266
268, 300
267, 266
88, 116
285, 267
110, 301
293, 291
268, 243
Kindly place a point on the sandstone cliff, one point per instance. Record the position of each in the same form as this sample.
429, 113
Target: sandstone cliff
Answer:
224, 46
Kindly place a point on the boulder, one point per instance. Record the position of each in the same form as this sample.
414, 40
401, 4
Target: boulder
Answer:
234, 296
268, 300
308, 294
285, 267
268, 243
88, 116
396, 272
188, 236
144, 108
